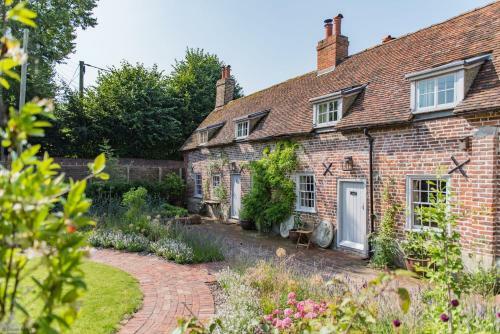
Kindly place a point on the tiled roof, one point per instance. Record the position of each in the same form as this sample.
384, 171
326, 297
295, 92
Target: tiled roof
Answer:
386, 98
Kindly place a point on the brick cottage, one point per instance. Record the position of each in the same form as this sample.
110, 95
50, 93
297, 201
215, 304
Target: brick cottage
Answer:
408, 110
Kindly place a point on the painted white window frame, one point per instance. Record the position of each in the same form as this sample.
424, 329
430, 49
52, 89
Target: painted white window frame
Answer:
316, 107
298, 206
409, 197
198, 185
217, 177
203, 137
245, 129
459, 86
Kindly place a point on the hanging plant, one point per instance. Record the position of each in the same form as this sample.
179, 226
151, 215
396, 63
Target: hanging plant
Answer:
271, 198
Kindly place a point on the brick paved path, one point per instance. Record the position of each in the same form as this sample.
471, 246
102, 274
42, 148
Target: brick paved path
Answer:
167, 287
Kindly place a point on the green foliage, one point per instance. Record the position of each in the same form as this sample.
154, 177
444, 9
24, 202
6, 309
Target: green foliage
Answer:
272, 196
192, 81
140, 111
171, 211
172, 192
485, 282
385, 246
415, 245
51, 42
40, 213
173, 187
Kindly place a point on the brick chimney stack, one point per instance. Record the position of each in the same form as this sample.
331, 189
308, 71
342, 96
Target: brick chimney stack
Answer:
334, 48
225, 87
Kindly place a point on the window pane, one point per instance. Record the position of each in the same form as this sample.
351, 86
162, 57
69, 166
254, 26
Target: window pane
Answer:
424, 193
306, 193
426, 93
446, 89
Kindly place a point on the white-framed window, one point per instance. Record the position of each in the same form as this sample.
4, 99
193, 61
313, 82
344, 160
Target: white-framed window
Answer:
242, 129
306, 192
327, 113
422, 191
438, 93
216, 178
203, 137
198, 185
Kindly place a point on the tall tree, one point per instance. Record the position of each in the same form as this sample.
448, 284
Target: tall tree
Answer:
193, 81
52, 41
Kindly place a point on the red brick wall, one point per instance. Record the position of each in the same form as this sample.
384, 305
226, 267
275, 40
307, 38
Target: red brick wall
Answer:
422, 148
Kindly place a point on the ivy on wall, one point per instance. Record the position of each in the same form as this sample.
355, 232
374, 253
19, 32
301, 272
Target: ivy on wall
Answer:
271, 198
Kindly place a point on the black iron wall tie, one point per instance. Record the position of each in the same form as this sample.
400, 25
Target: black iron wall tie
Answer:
459, 166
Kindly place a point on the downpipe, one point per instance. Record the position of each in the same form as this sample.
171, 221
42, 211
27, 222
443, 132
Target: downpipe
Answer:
372, 213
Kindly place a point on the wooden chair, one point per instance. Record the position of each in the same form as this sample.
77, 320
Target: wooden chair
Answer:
305, 233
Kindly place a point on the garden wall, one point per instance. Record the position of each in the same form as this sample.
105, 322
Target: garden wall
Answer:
130, 169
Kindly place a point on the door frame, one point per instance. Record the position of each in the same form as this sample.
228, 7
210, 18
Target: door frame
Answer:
232, 192
339, 215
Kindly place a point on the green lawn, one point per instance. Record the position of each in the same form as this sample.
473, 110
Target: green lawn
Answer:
111, 295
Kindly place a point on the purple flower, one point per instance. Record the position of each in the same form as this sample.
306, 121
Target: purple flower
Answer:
396, 322
444, 317
454, 303
498, 314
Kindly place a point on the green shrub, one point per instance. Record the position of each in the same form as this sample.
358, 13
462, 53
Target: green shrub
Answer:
272, 196
171, 189
205, 249
385, 246
174, 187
485, 282
170, 211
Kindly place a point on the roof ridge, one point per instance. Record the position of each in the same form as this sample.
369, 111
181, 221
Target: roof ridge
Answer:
425, 28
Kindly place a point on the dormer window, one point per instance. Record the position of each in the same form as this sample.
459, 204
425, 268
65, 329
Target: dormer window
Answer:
328, 113
443, 87
438, 93
330, 108
242, 129
203, 137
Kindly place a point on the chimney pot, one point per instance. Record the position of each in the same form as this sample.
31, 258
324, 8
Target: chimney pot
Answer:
228, 71
328, 27
387, 38
222, 72
338, 22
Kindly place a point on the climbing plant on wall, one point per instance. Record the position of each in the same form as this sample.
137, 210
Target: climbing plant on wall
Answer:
271, 198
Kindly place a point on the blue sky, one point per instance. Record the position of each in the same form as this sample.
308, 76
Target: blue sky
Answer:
265, 42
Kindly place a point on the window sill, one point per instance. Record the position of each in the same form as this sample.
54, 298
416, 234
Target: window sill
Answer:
325, 125
439, 108
198, 196
306, 210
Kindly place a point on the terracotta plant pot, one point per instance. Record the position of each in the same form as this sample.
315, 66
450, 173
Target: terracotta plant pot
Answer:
293, 235
247, 224
411, 264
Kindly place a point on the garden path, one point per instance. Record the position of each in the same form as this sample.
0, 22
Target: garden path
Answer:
170, 291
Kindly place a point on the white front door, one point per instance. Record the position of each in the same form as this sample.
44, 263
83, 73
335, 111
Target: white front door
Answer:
351, 215
235, 195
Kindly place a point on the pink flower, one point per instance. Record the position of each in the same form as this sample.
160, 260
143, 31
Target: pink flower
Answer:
291, 302
310, 315
288, 312
287, 322
297, 315
278, 323
292, 295
300, 306
276, 312
268, 317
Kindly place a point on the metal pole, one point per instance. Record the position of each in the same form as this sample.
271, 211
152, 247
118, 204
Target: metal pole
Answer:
82, 72
24, 71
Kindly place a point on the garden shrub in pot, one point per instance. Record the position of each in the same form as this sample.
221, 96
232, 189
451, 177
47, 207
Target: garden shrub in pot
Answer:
415, 251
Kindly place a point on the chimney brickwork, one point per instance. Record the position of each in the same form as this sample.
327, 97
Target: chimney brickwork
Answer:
225, 87
334, 47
